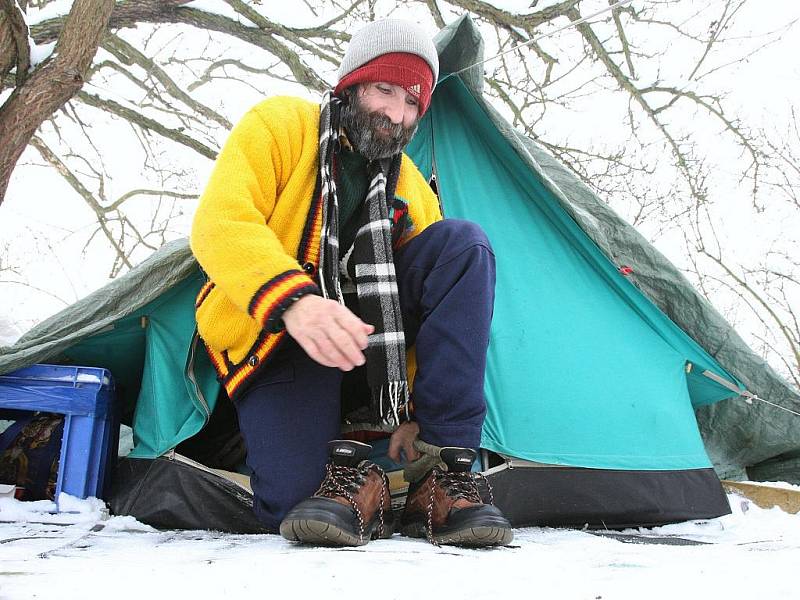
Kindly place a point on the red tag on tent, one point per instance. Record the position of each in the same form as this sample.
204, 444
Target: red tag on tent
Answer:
625, 270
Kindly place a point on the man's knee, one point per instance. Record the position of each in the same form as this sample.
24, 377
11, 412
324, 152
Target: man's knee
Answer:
460, 231
446, 240
442, 243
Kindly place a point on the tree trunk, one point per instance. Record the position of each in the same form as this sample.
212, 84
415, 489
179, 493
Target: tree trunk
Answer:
14, 50
53, 84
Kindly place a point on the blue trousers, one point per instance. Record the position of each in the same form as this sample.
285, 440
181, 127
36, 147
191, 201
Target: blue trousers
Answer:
446, 278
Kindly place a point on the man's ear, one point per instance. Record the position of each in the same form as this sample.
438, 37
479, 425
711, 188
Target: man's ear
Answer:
349, 94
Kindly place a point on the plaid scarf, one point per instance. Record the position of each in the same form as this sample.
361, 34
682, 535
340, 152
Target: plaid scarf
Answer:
370, 264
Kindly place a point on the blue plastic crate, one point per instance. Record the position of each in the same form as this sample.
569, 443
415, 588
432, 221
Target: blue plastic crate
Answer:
85, 396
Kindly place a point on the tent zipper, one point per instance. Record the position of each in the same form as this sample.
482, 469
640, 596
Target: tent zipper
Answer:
190, 375
435, 173
174, 456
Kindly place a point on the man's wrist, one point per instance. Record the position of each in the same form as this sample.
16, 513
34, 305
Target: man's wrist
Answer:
276, 322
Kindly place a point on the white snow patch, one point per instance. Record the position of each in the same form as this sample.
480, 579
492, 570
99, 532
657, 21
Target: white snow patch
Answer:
71, 511
14, 510
521, 32
223, 9
89, 507
51, 10
129, 560
81, 378
40, 53
747, 523
90, 378
775, 484
126, 524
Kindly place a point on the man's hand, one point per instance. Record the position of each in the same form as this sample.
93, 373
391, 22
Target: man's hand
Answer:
403, 439
329, 332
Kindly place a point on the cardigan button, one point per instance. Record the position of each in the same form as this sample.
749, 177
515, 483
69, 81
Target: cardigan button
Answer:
252, 361
309, 268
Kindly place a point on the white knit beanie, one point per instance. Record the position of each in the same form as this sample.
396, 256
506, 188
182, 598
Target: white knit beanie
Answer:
385, 37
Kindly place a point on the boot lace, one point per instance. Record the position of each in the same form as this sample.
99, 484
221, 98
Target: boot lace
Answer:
456, 485
345, 481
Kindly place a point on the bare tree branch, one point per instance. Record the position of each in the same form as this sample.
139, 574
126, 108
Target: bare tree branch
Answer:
436, 13
53, 84
14, 41
623, 40
131, 12
139, 119
127, 54
88, 197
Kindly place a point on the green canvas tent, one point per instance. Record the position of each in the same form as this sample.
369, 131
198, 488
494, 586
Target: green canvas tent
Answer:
603, 387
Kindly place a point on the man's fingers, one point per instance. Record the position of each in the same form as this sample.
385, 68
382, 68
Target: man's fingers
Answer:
314, 352
329, 333
330, 348
346, 334
346, 347
411, 452
403, 440
367, 328
394, 449
323, 350
355, 328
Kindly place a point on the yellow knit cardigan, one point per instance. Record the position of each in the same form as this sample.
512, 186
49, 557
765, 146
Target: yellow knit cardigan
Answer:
257, 231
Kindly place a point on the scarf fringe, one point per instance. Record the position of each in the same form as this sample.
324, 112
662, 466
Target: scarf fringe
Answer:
395, 395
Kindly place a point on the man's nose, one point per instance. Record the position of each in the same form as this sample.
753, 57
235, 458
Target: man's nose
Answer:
395, 110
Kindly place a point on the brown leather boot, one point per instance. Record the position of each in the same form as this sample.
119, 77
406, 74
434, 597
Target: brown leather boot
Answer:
447, 506
351, 506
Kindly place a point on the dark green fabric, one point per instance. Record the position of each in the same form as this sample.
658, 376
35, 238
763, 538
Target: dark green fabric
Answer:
351, 189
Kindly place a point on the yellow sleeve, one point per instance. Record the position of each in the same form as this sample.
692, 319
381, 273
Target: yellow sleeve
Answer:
230, 237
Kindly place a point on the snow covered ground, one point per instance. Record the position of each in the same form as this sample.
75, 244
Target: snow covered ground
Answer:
752, 553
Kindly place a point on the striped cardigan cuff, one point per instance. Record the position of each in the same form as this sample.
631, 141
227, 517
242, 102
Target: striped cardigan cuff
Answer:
273, 298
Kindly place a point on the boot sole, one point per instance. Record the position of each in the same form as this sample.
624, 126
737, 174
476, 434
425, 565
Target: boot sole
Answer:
310, 531
318, 532
474, 537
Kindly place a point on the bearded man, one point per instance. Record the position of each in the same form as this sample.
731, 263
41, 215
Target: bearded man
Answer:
327, 256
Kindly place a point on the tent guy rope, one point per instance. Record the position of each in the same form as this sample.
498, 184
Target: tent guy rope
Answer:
748, 396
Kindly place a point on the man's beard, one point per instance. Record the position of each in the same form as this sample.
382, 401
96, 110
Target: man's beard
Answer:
364, 131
